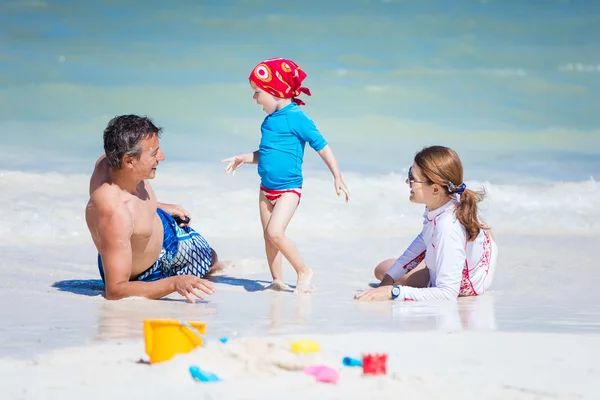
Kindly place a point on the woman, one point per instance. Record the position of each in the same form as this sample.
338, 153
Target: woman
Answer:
457, 248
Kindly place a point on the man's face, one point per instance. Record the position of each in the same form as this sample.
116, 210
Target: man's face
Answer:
145, 166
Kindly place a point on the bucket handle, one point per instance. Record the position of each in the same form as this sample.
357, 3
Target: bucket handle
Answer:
195, 332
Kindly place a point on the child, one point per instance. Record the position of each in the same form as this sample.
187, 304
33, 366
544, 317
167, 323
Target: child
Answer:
285, 130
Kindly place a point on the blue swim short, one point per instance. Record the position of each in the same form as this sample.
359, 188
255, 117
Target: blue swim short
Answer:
184, 252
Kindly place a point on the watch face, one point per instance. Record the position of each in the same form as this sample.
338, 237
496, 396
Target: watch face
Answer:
396, 291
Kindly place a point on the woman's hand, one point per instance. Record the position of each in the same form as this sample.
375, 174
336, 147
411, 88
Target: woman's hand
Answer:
378, 294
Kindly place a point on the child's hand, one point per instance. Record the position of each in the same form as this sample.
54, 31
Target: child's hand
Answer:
234, 164
340, 186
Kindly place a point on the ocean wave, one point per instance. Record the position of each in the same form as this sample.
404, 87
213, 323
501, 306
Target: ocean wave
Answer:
579, 67
500, 72
49, 207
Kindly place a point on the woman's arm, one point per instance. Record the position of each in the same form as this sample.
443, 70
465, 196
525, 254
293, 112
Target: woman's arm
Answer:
449, 241
412, 256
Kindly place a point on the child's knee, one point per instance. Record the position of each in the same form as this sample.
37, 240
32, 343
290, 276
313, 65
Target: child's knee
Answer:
274, 236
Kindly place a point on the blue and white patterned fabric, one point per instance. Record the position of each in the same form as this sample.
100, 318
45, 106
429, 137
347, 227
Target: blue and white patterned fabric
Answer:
184, 252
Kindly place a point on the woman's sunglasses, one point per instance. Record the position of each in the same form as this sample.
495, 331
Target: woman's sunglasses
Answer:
411, 179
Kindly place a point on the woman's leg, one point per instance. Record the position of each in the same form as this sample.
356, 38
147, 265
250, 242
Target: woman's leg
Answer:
383, 267
417, 277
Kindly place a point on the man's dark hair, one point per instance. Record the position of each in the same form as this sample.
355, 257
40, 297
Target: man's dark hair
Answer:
123, 136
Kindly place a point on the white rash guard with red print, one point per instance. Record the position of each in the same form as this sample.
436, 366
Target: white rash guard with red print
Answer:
456, 267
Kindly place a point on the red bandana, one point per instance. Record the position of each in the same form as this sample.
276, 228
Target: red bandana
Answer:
280, 77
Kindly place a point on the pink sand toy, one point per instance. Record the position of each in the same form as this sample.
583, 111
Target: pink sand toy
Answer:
323, 373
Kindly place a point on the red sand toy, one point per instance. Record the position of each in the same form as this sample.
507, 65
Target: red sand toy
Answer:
374, 364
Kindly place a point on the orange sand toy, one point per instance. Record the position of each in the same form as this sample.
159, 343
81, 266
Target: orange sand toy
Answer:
165, 338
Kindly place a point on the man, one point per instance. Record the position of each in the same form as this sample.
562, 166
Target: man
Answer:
142, 250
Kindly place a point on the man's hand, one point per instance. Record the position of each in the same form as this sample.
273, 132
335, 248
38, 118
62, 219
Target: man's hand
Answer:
176, 212
340, 186
188, 285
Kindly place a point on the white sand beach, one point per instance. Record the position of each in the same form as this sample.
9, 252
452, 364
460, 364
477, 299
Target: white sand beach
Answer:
421, 365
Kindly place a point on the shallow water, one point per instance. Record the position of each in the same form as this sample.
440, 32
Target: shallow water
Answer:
55, 299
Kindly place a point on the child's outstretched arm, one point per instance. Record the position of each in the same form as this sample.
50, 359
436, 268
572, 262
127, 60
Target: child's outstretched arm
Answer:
327, 155
237, 161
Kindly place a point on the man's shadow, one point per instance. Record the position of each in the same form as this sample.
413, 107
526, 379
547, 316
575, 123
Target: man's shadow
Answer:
85, 287
249, 285
95, 287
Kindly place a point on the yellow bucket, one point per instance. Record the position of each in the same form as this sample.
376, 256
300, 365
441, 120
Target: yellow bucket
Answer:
166, 337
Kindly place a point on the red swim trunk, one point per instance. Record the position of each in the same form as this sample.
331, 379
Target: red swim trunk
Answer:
274, 195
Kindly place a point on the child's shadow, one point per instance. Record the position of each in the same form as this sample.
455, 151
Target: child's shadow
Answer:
249, 285
86, 287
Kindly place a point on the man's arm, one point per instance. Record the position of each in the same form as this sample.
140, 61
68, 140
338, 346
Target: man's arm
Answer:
99, 175
114, 229
176, 212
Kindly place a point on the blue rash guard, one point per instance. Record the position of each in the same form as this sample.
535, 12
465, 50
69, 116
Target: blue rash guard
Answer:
281, 150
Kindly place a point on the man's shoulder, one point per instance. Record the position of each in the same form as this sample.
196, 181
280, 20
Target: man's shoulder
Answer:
105, 193
106, 200
107, 212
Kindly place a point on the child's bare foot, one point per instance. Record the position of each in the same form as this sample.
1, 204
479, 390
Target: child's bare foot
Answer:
304, 280
279, 286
